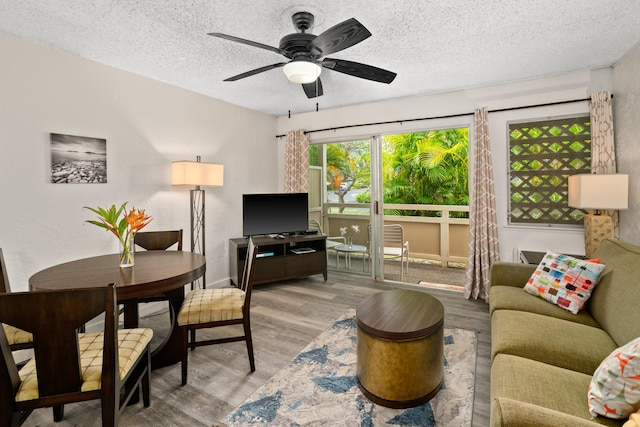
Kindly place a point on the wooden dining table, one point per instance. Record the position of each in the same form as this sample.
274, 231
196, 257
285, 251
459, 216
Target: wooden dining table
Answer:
154, 272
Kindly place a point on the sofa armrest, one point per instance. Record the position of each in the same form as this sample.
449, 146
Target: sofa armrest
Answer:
514, 413
511, 273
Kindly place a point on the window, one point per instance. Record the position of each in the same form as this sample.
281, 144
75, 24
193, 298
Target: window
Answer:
542, 155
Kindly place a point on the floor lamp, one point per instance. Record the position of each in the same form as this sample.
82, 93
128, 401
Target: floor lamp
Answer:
598, 192
197, 174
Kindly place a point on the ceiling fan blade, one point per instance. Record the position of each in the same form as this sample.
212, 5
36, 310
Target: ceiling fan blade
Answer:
253, 72
339, 37
314, 89
247, 42
357, 69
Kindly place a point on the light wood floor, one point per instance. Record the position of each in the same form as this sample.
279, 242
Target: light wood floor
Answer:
285, 317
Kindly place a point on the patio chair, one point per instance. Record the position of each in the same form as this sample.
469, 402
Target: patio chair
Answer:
210, 308
332, 241
112, 365
395, 246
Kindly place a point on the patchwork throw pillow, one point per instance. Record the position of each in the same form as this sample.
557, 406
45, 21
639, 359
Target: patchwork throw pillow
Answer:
564, 280
614, 391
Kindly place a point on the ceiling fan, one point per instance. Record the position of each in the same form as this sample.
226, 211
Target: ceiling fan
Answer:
305, 50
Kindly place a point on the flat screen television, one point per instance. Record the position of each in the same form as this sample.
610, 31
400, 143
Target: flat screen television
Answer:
275, 213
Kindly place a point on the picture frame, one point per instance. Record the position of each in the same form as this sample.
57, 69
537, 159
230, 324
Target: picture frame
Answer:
78, 159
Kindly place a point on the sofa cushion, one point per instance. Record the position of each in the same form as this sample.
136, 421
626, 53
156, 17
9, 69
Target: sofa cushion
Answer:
544, 386
510, 273
512, 298
514, 413
614, 303
615, 387
562, 343
564, 280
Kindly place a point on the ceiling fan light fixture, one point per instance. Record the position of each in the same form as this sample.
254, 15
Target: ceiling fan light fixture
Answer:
302, 71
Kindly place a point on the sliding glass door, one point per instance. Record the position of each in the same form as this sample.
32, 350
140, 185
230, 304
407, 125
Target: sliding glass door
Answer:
424, 189
390, 202
346, 215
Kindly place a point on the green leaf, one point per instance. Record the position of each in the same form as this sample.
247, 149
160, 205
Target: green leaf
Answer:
98, 223
109, 218
122, 227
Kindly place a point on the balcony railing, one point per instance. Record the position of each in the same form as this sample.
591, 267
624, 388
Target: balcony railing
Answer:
439, 238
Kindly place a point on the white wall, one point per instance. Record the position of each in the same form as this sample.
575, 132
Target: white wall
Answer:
557, 89
147, 125
626, 111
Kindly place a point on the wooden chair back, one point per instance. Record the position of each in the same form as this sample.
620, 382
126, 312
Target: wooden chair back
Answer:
248, 273
159, 240
4, 278
155, 241
23, 341
54, 318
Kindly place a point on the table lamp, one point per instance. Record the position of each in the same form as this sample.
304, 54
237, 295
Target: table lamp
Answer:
598, 192
197, 174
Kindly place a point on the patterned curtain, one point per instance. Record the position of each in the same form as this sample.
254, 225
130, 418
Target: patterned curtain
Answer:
296, 162
483, 227
603, 152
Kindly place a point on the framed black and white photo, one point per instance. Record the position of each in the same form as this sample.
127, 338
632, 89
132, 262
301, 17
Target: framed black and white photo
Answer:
78, 159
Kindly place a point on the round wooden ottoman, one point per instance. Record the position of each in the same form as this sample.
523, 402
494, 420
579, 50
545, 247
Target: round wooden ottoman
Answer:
400, 347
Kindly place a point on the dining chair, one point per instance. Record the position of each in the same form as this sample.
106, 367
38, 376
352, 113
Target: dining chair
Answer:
213, 307
68, 366
157, 241
17, 338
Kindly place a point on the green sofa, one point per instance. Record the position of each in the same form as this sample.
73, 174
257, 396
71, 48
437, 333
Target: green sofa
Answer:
543, 356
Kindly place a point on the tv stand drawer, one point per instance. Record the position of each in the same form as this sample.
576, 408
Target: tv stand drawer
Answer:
305, 264
268, 268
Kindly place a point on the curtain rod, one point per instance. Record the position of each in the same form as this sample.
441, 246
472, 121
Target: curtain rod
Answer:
441, 117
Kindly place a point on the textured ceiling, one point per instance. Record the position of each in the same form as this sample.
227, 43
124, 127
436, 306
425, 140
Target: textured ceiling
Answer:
433, 45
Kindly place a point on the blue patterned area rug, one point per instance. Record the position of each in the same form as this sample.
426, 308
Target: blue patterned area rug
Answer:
319, 387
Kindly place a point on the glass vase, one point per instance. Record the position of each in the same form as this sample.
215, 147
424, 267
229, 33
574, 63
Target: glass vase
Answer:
349, 242
127, 252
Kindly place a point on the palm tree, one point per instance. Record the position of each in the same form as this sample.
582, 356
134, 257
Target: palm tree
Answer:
427, 168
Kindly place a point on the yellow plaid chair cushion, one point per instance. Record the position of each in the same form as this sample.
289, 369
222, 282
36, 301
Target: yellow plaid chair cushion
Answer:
17, 336
211, 305
131, 343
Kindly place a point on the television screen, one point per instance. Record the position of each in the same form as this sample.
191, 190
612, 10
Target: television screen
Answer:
275, 213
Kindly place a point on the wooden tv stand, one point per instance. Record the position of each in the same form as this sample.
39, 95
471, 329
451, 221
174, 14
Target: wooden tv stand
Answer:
276, 259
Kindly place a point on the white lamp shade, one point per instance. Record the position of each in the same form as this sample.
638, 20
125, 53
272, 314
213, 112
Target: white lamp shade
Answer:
302, 71
196, 173
595, 191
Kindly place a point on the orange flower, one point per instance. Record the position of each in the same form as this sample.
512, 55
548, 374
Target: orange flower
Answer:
137, 220
125, 228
